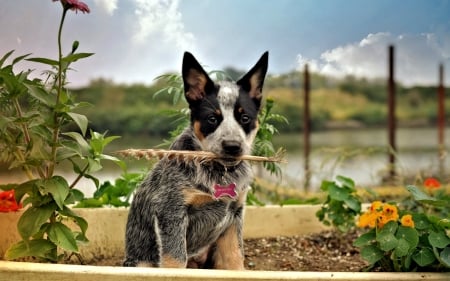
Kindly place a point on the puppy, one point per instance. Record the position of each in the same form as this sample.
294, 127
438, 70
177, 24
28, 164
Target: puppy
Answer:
187, 214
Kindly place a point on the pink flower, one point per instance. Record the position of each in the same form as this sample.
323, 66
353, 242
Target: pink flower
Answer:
75, 5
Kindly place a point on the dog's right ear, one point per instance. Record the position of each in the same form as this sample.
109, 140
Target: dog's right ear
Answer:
196, 81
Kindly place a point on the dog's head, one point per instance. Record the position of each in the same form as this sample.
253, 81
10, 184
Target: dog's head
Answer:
224, 115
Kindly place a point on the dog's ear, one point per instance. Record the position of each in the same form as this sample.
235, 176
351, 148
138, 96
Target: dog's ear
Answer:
252, 82
196, 81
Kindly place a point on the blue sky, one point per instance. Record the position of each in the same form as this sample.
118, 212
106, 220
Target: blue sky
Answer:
136, 40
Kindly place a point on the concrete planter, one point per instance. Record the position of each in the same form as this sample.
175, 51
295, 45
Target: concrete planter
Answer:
106, 233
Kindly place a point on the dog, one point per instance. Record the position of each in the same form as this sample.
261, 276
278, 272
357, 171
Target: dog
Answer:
187, 214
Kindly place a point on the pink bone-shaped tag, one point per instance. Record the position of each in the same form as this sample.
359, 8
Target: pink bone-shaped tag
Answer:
223, 191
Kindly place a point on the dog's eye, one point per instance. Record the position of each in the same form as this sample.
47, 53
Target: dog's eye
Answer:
212, 120
245, 119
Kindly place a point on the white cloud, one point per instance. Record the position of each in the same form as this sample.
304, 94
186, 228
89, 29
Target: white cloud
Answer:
109, 6
416, 57
161, 18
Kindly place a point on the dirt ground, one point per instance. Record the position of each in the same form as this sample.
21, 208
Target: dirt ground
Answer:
325, 251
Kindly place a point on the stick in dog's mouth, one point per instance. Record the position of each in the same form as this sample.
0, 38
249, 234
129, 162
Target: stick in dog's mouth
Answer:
198, 156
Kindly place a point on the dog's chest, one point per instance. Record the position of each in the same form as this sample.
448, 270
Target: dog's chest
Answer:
208, 222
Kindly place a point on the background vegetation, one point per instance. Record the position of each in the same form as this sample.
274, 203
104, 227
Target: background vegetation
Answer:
335, 103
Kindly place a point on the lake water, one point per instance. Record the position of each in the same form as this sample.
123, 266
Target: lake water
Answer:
362, 155
358, 154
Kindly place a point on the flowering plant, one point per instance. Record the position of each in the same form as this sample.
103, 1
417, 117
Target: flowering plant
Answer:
405, 240
34, 117
8, 202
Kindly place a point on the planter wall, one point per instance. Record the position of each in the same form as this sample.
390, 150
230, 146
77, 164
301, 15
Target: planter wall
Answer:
107, 230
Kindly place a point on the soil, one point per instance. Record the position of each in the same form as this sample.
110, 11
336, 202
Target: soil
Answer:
325, 251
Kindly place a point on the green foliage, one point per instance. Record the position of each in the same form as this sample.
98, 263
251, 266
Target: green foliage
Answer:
423, 245
34, 116
117, 194
263, 145
341, 205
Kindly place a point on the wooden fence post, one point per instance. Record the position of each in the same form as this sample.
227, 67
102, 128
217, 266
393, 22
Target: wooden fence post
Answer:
441, 121
391, 115
306, 127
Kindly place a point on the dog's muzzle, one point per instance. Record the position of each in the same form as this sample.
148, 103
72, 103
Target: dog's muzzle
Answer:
231, 148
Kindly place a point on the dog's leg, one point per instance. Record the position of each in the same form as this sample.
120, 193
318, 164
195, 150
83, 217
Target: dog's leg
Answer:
172, 234
229, 253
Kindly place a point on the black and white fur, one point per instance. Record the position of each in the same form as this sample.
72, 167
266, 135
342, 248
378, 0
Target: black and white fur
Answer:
174, 219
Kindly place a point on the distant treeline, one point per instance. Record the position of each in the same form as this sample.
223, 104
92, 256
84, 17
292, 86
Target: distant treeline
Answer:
348, 102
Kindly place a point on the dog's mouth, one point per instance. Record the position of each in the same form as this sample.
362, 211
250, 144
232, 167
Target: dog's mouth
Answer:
229, 161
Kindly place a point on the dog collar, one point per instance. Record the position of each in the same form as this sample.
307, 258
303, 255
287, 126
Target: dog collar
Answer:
225, 191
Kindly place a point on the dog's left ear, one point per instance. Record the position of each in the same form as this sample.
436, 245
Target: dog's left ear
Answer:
253, 81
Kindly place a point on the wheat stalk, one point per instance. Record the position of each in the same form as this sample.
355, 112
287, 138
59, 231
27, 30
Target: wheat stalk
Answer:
196, 156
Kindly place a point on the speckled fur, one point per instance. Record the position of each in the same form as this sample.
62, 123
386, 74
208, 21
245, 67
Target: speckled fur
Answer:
174, 220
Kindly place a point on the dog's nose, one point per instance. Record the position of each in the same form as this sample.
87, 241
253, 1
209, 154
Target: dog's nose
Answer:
231, 147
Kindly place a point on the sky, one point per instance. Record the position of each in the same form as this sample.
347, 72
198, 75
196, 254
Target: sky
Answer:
134, 41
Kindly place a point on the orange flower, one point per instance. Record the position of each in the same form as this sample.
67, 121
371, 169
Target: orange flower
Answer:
407, 221
389, 213
8, 202
376, 206
431, 183
378, 214
367, 219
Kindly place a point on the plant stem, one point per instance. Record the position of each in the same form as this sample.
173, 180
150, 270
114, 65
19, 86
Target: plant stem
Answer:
59, 78
27, 140
24, 127
80, 175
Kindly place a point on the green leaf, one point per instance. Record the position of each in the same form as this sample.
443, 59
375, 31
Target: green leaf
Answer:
58, 187
421, 221
75, 195
326, 185
424, 257
365, 239
253, 200
33, 218
44, 61
386, 240
422, 197
41, 94
79, 139
409, 234
444, 223
445, 257
371, 254
82, 223
353, 203
33, 248
74, 57
65, 152
390, 227
438, 239
337, 193
5, 57
90, 203
402, 248
346, 182
80, 120
25, 188
62, 236
16, 60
